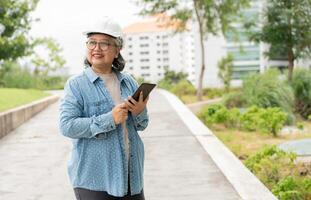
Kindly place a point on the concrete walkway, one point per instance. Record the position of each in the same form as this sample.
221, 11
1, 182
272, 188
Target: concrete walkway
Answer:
33, 160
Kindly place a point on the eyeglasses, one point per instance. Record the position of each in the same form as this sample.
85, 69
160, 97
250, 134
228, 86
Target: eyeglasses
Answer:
104, 45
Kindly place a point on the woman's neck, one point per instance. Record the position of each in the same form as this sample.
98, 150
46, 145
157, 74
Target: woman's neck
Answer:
102, 69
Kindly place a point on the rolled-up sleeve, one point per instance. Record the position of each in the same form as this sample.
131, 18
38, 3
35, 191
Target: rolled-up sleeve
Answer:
72, 122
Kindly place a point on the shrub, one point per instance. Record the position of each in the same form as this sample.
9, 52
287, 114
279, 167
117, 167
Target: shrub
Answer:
293, 188
271, 120
250, 118
268, 90
18, 77
301, 84
271, 164
234, 100
214, 113
183, 87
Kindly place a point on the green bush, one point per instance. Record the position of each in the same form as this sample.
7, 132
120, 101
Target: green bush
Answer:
269, 120
214, 113
23, 78
234, 100
268, 90
271, 164
301, 84
288, 189
250, 118
183, 87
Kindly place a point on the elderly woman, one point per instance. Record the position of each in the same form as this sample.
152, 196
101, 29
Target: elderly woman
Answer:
102, 119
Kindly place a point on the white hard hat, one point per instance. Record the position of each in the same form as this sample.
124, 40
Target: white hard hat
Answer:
107, 26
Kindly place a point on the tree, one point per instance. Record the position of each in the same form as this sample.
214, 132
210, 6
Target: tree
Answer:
15, 17
211, 16
287, 28
53, 60
225, 66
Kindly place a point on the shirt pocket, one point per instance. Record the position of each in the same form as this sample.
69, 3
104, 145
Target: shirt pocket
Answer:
98, 107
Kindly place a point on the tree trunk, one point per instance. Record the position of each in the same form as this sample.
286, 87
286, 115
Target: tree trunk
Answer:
290, 56
200, 85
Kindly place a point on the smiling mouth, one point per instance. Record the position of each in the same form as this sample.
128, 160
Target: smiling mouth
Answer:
97, 55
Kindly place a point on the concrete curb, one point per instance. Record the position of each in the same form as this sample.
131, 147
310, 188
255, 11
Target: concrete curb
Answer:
11, 119
245, 183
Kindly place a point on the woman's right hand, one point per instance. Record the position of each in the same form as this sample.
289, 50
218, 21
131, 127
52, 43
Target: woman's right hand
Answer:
119, 113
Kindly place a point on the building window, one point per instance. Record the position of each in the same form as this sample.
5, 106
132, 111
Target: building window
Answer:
158, 44
165, 52
130, 53
144, 60
144, 45
159, 59
130, 46
130, 61
143, 37
159, 74
129, 39
145, 75
144, 67
131, 68
165, 44
165, 59
159, 67
144, 53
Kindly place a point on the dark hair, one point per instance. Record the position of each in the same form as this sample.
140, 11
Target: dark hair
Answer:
119, 62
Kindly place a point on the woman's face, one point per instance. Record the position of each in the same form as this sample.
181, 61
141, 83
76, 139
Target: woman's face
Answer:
101, 50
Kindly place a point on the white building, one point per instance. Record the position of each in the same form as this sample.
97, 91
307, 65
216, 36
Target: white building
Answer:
151, 46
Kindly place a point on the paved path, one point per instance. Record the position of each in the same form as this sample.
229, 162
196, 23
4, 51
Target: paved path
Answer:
33, 160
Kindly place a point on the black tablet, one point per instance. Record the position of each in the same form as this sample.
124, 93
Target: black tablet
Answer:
146, 88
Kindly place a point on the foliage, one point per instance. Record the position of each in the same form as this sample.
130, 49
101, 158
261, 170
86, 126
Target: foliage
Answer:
268, 90
214, 92
225, 66
269, 120
18, 77
290, 188
15, 16
171, 78
212, 17
183, 87
301, 84
234, 100
287, 28
271, 164
53, 60
278, 170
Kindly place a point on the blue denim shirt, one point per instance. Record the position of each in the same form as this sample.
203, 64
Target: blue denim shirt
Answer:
98, 160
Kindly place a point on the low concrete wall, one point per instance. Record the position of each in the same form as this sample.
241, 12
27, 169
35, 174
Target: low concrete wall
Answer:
11, 119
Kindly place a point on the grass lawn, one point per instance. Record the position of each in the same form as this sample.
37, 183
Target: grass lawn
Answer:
12, 97
243, 144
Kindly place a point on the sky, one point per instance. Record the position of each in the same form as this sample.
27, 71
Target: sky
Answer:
64, 20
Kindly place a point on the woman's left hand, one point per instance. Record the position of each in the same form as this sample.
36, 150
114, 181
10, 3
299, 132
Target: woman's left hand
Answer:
136, 107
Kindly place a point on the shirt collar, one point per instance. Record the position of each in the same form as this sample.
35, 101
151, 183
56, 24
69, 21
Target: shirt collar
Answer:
92, 76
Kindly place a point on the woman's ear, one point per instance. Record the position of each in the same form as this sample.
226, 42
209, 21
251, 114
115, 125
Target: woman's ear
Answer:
117, 52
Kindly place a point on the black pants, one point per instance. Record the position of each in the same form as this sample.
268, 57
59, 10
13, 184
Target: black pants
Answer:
85, 194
